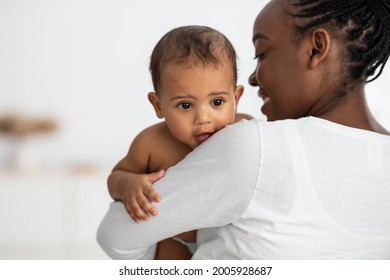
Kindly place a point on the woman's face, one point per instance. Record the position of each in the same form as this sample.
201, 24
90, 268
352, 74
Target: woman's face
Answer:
281, 72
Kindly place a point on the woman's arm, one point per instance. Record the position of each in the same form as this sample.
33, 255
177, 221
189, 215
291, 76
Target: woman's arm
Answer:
211, 187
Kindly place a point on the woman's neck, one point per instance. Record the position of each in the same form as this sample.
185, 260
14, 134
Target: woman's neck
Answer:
352, 110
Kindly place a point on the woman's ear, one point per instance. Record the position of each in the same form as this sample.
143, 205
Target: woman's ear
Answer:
320, 45
154, 99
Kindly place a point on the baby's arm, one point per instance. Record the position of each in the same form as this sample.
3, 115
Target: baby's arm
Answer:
129, 182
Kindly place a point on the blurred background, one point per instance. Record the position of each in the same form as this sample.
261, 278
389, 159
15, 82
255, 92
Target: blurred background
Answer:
73, 94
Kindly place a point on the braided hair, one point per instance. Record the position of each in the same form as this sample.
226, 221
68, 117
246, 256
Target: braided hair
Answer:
367, 25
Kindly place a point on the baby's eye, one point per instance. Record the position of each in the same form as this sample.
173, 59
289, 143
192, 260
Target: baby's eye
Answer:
217, 102
184, 105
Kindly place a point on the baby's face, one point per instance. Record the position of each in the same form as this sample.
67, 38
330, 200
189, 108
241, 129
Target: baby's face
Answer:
197, 102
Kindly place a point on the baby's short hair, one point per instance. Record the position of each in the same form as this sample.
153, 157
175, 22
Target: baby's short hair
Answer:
192, 44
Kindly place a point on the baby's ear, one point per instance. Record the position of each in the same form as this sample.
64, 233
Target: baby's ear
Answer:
238, 93
154, 99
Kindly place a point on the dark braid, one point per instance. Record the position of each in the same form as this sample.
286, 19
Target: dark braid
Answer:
367, 25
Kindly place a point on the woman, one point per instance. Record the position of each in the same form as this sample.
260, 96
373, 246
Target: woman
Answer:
313, 181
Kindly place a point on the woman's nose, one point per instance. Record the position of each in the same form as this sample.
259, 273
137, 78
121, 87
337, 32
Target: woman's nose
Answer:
252, 79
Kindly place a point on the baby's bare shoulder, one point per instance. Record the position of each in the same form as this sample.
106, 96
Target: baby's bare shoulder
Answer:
159, 137
163, 148
158, 131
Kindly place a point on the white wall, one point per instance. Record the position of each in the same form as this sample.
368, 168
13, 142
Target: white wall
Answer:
85, 63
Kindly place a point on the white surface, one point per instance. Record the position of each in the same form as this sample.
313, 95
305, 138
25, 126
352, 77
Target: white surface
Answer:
51, 216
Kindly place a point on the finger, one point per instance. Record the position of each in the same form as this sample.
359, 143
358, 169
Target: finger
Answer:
153, 177
146, 205
152, 194
135, 218
128, 209
137, 210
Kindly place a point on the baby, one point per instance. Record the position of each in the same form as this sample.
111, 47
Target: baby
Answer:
194, 75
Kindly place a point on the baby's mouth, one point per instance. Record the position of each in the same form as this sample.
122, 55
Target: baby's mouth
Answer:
200, 138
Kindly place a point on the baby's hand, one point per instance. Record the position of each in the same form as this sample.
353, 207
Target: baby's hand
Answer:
138, 195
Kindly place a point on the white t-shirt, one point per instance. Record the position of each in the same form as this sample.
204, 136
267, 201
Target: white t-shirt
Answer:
291, 189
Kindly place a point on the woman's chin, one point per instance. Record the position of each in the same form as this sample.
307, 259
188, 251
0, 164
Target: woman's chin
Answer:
267, 113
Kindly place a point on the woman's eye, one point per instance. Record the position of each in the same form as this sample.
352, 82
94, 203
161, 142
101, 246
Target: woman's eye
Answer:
217, 102
184, 105
259, 57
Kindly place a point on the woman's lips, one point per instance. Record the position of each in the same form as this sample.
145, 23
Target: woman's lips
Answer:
263, 96
265, 99
200, 138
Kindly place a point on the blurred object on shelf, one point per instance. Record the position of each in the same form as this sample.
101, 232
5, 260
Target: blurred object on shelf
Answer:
83, 168
20, 126
18, 129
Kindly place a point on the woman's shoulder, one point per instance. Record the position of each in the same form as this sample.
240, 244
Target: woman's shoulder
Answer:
323, 126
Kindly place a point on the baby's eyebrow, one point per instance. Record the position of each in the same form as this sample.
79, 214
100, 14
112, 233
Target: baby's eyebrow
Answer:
187, 96
219, 93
